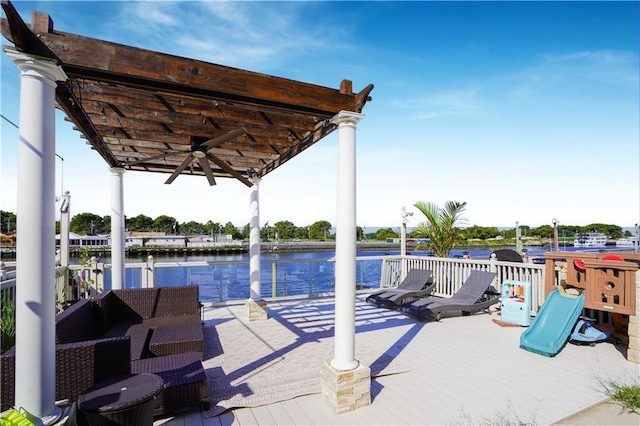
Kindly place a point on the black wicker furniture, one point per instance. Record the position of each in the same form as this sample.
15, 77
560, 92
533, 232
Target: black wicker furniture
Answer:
171, 313
186, 383
154, 330
122, 400
79, 365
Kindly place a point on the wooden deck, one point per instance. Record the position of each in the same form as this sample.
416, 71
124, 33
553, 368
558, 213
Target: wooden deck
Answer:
465, 370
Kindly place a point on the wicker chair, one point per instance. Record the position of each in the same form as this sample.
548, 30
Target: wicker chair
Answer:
79, 365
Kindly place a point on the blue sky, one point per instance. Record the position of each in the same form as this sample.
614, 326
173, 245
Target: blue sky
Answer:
528, 111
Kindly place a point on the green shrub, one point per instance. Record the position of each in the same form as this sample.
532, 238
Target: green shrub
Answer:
7, 321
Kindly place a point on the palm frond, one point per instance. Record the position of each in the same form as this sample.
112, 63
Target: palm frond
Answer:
441, 226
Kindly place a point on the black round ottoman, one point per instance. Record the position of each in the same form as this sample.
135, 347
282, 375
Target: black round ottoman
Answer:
123, 400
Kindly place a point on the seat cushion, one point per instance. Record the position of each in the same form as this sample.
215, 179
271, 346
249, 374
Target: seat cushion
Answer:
172, 339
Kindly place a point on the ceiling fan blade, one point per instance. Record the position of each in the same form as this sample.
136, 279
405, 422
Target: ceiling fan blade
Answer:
212, 143
204, 163
227, 168
185, 163
155, 157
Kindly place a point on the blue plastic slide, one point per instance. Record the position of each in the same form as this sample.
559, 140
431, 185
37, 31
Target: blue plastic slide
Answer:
553, 324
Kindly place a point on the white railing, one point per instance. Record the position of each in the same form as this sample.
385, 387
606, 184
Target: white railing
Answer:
62, 289
229, 280
7, 270
449, 274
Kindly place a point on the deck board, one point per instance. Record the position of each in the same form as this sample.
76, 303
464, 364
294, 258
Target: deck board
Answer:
297, 414
464, 370
263, 416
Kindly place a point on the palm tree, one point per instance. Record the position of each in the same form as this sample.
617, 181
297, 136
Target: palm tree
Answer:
440, 227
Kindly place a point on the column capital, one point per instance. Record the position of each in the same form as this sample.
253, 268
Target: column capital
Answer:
347, 117
116, 171
36, 66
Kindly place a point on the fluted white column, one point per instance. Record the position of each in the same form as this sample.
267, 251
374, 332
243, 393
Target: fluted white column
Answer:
254, 241
345, 273
117, 229
35, 261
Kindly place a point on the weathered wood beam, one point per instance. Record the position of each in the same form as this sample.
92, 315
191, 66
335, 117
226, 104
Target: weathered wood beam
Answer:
321, 130
72, 107
131, 100
135, 67
17, 32
188, 125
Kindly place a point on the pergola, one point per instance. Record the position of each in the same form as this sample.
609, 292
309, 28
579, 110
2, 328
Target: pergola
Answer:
147, 111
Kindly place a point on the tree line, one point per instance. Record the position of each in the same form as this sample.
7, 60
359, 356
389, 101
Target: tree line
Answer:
92, 224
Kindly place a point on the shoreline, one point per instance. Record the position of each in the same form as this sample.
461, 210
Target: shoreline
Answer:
273, 247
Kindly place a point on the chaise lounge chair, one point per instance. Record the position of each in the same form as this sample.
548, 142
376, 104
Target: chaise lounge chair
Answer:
417, 283
476, 294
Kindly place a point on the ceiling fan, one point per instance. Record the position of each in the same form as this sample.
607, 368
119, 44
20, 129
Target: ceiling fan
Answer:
198, 151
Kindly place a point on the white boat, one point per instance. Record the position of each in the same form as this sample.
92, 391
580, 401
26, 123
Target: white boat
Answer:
590, 239
626, 242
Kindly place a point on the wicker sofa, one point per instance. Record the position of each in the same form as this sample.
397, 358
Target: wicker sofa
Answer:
156, 330
160, 321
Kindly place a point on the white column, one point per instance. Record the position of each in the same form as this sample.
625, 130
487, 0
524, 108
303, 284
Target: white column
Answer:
35, 296
117, 229
254, 241
344, 351
65, 220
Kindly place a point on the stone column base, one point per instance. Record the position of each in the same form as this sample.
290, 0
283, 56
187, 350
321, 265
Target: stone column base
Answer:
346, 390
256, 310
633, 350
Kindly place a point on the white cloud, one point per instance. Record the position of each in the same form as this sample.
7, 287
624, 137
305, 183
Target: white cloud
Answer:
456, 102
154, 13
560, 72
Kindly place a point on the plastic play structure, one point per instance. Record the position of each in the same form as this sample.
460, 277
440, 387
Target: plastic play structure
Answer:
551, 328
605, 282
608, 280
515, 305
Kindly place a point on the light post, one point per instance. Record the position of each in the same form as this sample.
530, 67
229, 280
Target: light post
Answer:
635, 241
403, 242
555, 233
61, 175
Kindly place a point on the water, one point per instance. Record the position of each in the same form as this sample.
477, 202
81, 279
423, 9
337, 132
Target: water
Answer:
293, 274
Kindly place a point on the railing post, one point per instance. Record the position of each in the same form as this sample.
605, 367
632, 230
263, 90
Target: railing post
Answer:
274, 279
93, 275
493, 267
148, 277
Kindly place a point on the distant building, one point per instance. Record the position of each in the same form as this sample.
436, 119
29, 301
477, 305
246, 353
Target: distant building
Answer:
76, 240
155, 239
147, 239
